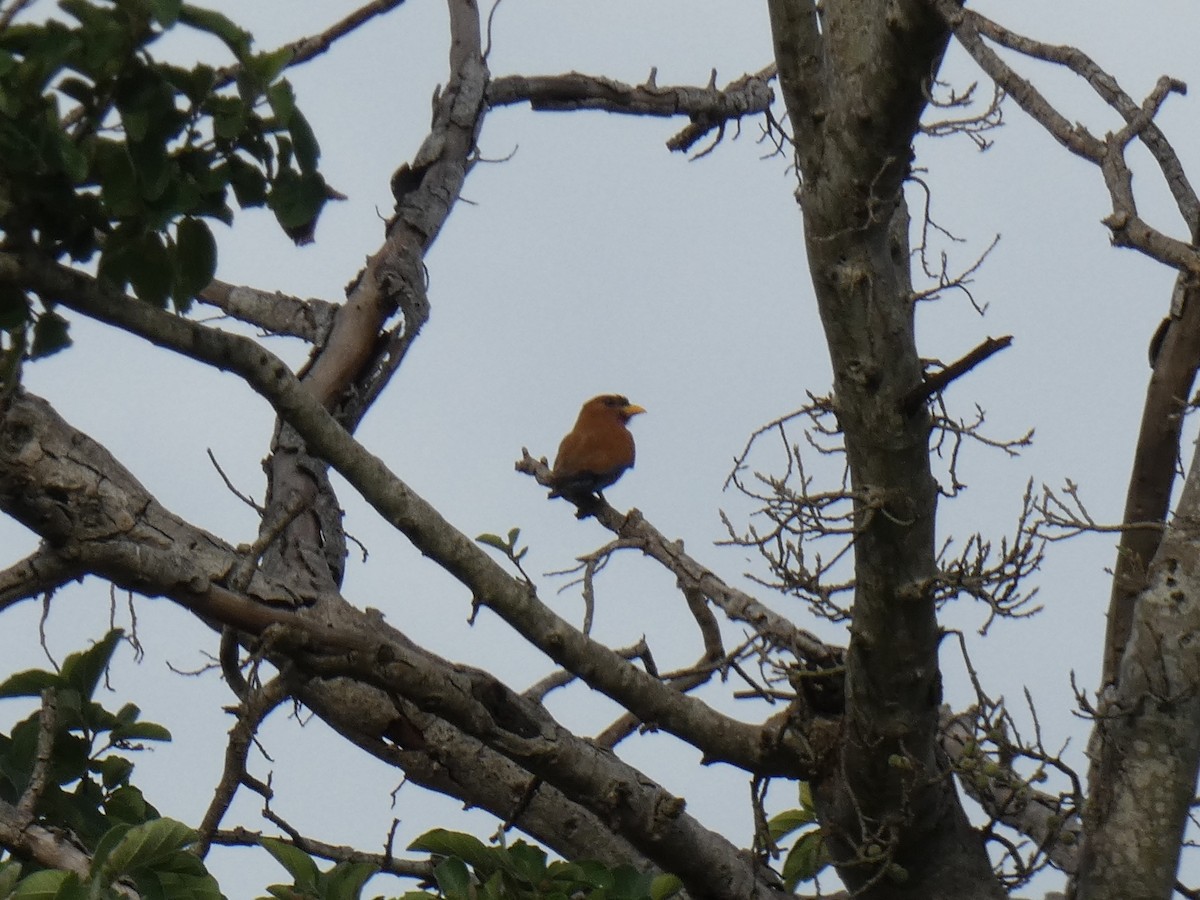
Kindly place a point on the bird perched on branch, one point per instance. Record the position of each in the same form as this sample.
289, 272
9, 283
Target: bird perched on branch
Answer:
597, 451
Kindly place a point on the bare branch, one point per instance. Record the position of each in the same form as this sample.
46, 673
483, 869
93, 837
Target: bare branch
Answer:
10, 12
737, 605
1127, 227
42, 572
385, 862
47, 726
707, 107
937, 381
272, 311
256, 705
51, 848
307, 48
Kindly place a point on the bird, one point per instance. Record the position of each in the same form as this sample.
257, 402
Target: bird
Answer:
597, 451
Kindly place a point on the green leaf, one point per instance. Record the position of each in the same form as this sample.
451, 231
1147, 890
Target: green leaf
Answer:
470, 849
665, 886
166, 12
45, 885
806, 797
127, 804
596, 874
229, 115
629, 883
49, 335
195, 83
236, 38
453, 879
266, 68
806, 858
299, 864
115, 770
75, 162
152, 272
14, 308
82, 671
29, 683
526, 861
304, 141
147, 845
788, 821
10, 874
118, 180
249, 183
196, 259
140, 731
296, 199
282, 99
153, 169
107, 843
345, 880
493, 540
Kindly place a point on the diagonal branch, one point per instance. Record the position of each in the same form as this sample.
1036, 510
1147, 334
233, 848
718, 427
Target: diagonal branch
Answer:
51, 848
938, 381
464, 559
307, 48
1127, 227
693, 576
255, 707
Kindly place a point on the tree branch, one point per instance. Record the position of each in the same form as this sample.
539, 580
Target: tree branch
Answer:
307, 48
41, 572
461, 557
404, 868
707, 107
937, 381
156, 558
1127, 227
51, 848
692, 576
272, 311
1146, 747
258, 703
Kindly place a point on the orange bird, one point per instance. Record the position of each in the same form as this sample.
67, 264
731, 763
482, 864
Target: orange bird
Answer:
597, 451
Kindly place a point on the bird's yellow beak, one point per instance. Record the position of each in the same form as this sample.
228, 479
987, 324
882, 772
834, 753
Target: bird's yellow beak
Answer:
632, 410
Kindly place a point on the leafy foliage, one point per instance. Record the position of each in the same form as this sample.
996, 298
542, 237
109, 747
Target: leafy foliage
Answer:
344, 881
468, 869
89, 794
106, 150
807, 856
507, 546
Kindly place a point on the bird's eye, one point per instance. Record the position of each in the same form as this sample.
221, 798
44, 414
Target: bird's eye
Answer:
617, 401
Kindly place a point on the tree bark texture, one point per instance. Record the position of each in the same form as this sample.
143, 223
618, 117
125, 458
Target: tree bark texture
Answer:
854, 81
1147, 737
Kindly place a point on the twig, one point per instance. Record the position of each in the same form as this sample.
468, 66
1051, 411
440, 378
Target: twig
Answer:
707, 107
255, 707
47, 724
307, 48
938, 381
407, 868
13, 10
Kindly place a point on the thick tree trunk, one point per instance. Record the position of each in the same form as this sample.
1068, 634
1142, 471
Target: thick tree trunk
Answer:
854, 82
1147, 740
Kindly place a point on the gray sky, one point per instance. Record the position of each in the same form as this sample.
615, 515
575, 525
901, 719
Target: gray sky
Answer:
594, 261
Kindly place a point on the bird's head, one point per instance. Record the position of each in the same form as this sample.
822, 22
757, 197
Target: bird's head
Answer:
611, 405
